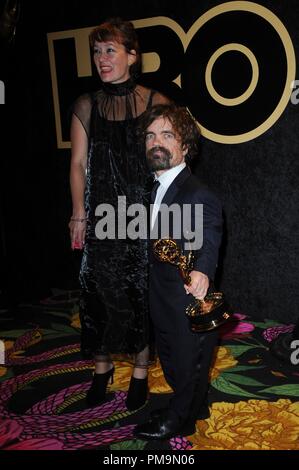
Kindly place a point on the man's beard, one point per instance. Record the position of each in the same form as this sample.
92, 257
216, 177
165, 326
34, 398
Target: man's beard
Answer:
158, 161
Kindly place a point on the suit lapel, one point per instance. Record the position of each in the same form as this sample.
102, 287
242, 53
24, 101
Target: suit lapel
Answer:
175, 186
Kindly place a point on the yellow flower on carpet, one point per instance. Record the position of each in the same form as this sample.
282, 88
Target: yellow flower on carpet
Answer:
157, 382
251, 425
123, 372
224, 360
75, 321
122, 375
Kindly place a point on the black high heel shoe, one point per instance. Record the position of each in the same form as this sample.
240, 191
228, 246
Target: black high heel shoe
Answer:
97, 392
137, 394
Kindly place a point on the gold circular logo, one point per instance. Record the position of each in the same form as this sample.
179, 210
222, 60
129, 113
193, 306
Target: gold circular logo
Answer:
255, 74
232, 111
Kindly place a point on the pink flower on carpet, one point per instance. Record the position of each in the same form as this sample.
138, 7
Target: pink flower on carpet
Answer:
271, 333
10, 432
235, 327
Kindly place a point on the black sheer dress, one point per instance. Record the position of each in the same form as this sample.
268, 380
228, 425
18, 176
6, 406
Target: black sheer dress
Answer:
114, 273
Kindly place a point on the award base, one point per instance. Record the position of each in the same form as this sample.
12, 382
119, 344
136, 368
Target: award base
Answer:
208, 314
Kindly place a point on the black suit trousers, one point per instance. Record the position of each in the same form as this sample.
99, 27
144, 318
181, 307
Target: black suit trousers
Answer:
185, 356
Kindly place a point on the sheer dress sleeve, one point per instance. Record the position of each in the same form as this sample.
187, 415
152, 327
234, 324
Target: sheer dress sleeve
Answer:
82, 109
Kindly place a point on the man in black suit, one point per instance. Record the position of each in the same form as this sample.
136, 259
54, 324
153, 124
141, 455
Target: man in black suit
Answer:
171, 137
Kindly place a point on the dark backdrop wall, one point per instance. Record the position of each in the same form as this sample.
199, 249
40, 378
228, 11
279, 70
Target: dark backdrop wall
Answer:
257, 179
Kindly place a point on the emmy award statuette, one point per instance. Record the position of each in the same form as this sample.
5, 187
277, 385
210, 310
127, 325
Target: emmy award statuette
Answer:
203, 315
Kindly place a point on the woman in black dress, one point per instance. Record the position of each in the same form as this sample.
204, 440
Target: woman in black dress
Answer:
108, 162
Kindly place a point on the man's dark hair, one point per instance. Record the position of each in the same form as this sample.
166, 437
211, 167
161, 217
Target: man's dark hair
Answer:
182, 122
119, 30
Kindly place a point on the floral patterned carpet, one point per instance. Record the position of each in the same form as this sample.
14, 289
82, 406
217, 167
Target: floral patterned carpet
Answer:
253, 397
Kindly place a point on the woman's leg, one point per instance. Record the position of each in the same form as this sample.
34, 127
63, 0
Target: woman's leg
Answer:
103, 374
103, 363
141, 364
138, 389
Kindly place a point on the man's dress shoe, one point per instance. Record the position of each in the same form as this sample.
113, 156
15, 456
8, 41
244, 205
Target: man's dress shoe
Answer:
165, 426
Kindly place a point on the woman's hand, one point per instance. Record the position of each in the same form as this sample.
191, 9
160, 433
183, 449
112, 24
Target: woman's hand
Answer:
199, 285
77, 228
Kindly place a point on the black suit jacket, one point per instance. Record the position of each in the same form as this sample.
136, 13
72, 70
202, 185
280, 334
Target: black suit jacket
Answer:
186, 189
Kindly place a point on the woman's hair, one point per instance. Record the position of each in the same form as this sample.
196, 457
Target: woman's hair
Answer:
183, 124
123, 32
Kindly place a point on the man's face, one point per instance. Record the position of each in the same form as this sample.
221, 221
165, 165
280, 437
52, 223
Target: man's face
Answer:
163, 146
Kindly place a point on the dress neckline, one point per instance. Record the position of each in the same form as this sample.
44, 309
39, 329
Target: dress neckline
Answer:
119, 89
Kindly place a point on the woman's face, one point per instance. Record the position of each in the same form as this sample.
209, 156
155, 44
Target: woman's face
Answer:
113, 61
